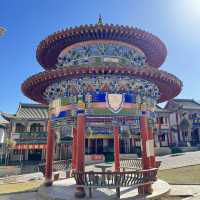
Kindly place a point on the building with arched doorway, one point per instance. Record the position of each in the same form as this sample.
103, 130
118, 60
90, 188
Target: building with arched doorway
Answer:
27, 129
184, 121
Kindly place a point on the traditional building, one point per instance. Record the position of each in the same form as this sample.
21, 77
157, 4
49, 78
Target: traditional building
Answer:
3, 138
28, 130
163, 135
185, 121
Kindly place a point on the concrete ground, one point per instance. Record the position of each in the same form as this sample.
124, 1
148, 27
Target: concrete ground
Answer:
20, 196
168, 162
185, 191
64, 190
178, 192
179, 160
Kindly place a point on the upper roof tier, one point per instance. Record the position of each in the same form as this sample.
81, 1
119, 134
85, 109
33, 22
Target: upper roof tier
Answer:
144, 47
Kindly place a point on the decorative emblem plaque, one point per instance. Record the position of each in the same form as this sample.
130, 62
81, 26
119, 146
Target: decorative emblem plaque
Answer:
114, 102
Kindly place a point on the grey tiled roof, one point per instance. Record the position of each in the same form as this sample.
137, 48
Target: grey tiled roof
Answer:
32, 111
28, 111
187, 103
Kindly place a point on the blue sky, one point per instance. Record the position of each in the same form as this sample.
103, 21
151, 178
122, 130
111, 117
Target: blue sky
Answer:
29, 21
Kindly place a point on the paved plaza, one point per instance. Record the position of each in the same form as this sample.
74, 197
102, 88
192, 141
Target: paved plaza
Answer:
176, 190
185, 190
64, 190
179, 160
168, 162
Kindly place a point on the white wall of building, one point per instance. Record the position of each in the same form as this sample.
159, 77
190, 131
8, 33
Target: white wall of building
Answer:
2, 135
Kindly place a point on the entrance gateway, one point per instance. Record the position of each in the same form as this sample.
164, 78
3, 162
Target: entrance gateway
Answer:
99, 80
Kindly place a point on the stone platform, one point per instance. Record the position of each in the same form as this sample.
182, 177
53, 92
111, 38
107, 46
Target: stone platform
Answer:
64, 190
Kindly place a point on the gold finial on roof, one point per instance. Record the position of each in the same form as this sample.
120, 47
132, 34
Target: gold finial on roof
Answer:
100, 21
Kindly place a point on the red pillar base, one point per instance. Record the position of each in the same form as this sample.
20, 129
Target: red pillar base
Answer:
148, 159
80, 152
48, 182
80, 192
145, 190
49, 156
116, 147
74, 146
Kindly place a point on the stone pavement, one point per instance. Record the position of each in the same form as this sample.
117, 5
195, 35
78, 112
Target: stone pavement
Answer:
22, 178
20, 196
176, 190
197, 197
181, 160
168, 162
64, 190
171, 161
189, 191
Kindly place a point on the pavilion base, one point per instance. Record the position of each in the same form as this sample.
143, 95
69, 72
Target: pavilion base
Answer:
80, 192
145, 190
65, 190
48, 182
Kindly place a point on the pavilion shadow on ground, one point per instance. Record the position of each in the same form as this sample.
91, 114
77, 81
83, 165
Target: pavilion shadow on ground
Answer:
65, 189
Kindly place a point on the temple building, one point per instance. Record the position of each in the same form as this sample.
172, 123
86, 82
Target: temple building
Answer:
163, 135
28, 130
3, 138
184, 121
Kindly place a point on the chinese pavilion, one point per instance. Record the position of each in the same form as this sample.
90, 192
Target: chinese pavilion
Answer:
99, 79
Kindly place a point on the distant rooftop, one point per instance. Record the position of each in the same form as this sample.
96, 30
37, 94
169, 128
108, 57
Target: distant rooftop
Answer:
183, 103
28, 111
160, 109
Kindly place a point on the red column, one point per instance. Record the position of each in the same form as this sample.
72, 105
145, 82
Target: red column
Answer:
144, 131
147, 147
116, 147
74, 147
152, 157
80, 151
49, 155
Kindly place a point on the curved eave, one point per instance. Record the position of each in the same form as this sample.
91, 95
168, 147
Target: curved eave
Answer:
169, 85
49, 49
7, 116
